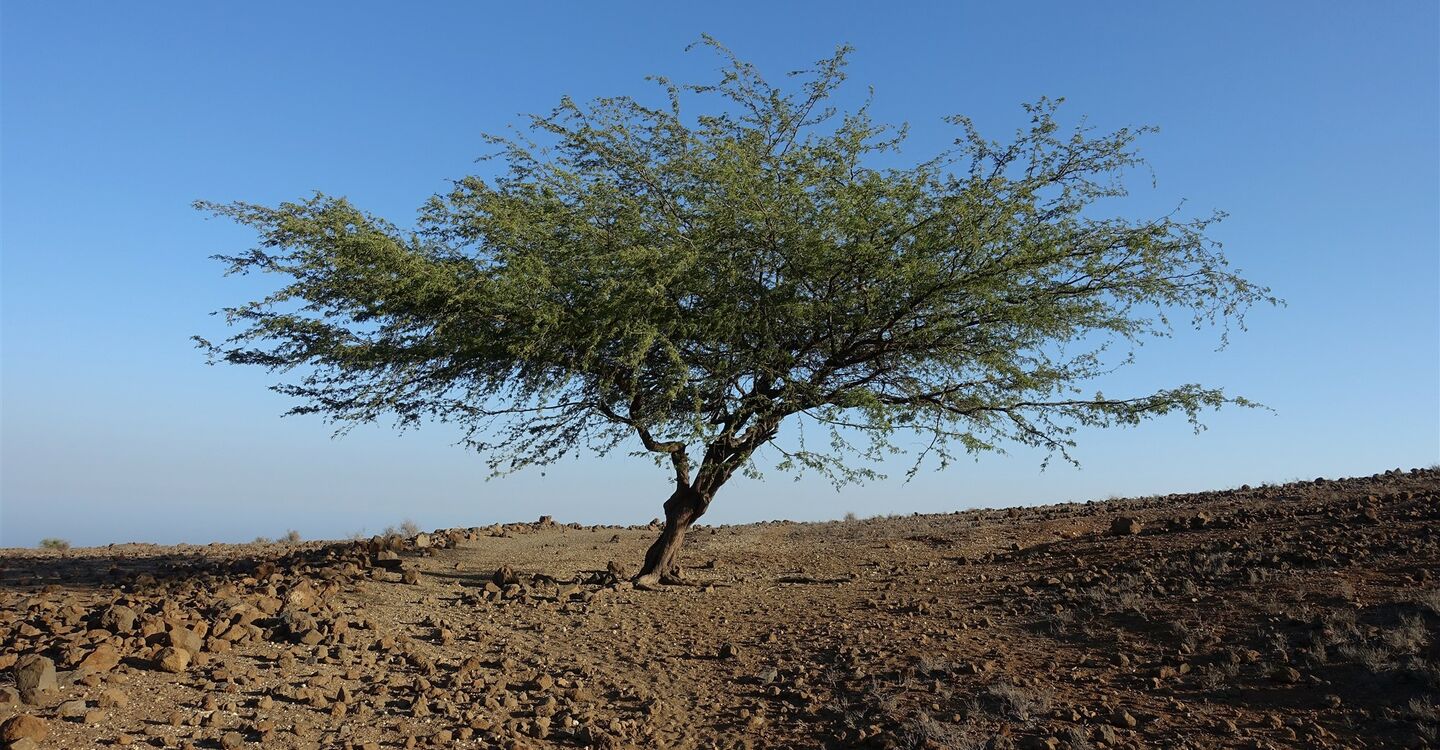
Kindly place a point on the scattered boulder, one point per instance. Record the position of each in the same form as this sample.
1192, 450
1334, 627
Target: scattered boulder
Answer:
103, 659
173, 660
187, 639
71, 709
505, 576
118, 619
301, 626
1125, 526
301, 595
24, 727
35, 678
1288, 675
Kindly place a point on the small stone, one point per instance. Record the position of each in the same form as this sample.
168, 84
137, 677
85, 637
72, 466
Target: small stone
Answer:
231, 741
113, 698
173, 660
24, 727
410, 576
728, 651
1123, 718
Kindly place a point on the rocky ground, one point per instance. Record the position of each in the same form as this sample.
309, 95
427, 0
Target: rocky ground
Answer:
1300, 615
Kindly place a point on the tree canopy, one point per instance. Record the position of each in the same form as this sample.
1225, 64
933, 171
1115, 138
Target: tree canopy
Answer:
692, 281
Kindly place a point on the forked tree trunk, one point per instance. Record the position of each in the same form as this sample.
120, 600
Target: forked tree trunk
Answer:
681, 510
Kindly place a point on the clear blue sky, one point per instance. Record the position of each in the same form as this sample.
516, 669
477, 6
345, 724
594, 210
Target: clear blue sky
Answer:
1313, 124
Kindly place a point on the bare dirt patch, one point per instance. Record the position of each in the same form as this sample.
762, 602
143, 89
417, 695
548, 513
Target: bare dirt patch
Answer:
1301, 615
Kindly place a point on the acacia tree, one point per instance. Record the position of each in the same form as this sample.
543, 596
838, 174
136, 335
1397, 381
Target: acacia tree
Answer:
696, 282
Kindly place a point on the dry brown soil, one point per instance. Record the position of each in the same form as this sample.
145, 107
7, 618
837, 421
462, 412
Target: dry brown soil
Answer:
1299, 615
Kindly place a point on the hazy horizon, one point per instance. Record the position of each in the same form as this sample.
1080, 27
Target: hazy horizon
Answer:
709, 520
1315, 126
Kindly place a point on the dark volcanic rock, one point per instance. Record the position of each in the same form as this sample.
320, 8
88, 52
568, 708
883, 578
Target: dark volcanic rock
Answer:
1125, 525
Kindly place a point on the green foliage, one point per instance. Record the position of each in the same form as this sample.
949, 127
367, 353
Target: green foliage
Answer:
696, 280
59, 545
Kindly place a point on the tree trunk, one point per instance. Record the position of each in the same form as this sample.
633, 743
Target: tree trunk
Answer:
681, 510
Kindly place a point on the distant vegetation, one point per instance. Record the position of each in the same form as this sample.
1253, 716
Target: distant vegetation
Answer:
55, 544
291, 537
407, 528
